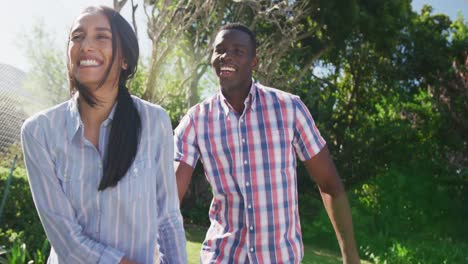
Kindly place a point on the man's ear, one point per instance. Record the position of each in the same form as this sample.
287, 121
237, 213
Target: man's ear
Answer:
255, 63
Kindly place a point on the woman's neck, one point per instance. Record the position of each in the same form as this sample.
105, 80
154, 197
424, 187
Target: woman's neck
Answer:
94, 116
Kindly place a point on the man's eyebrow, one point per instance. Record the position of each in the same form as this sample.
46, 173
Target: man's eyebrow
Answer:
240, 45
235, 45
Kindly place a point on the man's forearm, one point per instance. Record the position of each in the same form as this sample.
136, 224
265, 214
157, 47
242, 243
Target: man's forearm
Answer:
339, 212
183, 173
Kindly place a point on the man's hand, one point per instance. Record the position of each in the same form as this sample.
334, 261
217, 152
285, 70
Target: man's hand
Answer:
125, 260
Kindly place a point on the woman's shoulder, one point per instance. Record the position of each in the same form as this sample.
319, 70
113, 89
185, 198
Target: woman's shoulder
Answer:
146, 108
47, 118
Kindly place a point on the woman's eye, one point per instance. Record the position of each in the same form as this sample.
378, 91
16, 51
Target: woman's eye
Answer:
75, 37
103, 37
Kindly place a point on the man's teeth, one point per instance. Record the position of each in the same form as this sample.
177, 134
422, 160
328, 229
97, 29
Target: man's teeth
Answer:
88, 62
228, 69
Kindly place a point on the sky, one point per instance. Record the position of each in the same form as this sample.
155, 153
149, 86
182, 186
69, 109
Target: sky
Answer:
18, 17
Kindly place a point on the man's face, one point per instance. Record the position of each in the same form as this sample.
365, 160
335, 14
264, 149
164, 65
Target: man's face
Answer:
233, 59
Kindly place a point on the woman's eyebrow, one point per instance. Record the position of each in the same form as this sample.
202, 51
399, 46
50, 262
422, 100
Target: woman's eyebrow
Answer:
103, 29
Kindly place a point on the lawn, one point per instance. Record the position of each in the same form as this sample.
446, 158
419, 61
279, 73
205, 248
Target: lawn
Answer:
312, 254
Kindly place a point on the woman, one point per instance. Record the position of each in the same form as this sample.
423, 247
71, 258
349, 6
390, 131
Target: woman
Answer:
100, 165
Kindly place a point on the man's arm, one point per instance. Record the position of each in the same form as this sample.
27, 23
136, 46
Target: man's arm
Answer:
322, 169
183, 175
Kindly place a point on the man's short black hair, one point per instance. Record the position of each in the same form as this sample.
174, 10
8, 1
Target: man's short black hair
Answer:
245, 29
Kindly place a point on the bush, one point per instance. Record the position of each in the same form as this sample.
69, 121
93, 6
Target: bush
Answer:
196, 202
20, 223
19, 252
407, 215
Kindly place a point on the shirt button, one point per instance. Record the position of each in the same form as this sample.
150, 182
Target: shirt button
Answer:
247, 183
135, 170
245, 161
242, 120
251, 228
249, 206
243, 140
251, 249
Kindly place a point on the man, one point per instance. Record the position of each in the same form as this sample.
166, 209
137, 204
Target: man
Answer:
247, 137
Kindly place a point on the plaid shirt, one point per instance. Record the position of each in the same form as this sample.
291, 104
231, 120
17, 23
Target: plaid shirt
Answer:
250, 161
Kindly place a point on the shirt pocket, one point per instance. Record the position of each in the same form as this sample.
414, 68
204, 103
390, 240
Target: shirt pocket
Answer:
277, 138
138, 183
280, 152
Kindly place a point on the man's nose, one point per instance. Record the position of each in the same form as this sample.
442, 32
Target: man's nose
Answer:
227, 55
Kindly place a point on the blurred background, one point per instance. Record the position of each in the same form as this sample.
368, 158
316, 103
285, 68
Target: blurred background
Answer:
386, 82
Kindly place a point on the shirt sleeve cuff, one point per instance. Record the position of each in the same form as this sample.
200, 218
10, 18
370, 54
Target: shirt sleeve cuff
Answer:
190, 161
111, 256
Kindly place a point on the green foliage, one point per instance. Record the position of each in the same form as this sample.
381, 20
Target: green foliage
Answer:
137, 83
19, 252
7, 157
195, 205
19, 219
47, 78
399, 221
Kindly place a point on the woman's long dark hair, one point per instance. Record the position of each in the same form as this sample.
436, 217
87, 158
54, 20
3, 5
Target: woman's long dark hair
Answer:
124, 136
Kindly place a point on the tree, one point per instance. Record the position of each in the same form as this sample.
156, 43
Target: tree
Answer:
47, 77
297, 30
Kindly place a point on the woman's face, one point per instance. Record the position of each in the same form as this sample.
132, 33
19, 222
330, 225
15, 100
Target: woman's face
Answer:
90, 51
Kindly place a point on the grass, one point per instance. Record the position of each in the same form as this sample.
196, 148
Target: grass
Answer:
312, 254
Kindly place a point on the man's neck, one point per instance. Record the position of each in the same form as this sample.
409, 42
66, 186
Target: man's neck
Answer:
236, 97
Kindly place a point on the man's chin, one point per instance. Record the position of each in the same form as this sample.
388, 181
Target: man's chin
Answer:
227, 84
224, 81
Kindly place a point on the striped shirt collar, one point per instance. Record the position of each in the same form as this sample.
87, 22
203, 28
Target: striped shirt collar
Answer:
248, 102
74, 119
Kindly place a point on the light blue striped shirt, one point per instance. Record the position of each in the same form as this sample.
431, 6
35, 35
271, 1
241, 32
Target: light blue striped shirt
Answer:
138, 218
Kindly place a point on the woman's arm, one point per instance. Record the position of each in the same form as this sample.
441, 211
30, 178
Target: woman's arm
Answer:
171, 231
55, 211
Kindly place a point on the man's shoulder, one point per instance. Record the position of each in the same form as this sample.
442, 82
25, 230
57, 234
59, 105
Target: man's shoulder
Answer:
204, 106
274, 93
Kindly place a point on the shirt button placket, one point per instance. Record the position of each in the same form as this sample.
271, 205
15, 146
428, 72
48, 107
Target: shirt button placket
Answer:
99, 200
248, 193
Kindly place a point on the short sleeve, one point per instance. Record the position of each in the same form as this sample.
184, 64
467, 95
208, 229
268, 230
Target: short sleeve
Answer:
307, 139
185, 142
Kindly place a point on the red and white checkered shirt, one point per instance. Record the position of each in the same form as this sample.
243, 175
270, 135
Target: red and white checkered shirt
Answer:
250, 161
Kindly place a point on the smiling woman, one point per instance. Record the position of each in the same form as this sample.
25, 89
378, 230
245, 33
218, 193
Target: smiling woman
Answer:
100, 165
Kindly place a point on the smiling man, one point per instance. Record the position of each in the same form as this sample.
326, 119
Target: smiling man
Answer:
248, 137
